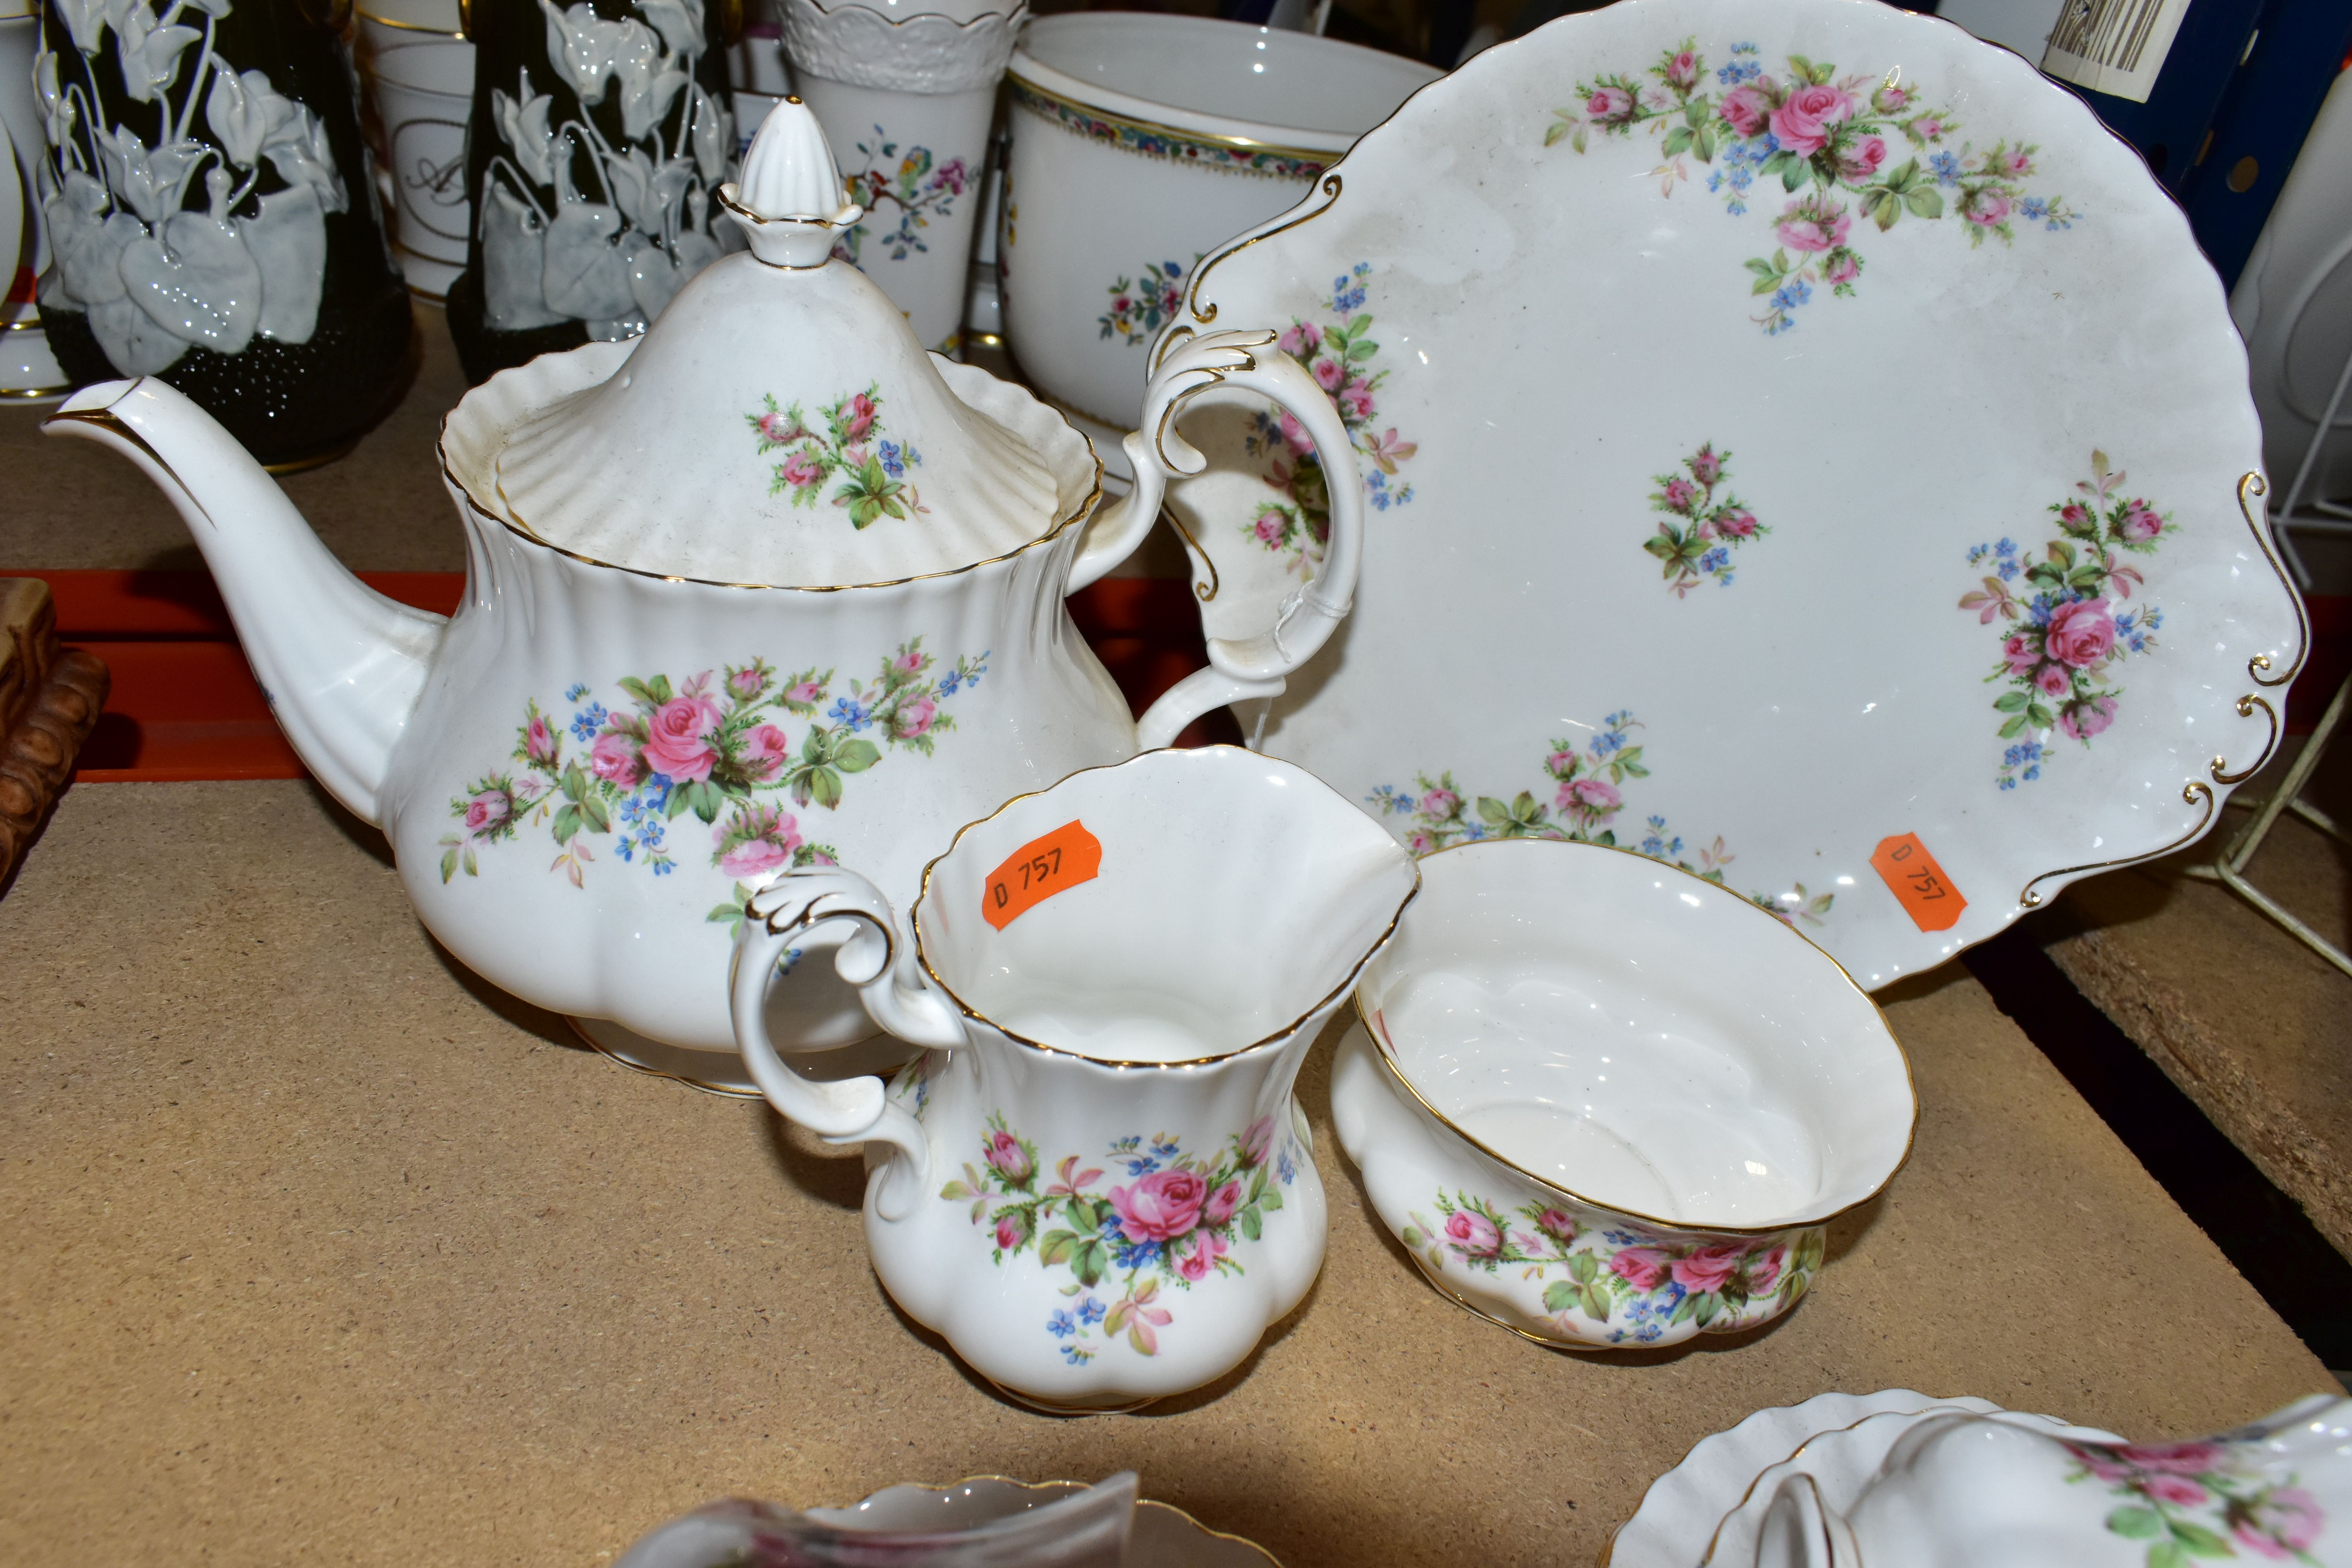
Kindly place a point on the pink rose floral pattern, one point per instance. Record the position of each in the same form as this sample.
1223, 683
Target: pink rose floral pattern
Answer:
1830, 142
871, 467
2192, 1501
719, 746
1140, 306
1583, 808
906, 178
2063, 628
1340, 354
1701, 530
1177, 1220
1639, 1285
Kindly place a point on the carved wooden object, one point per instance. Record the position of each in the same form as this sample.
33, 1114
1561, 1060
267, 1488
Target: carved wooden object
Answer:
49, 700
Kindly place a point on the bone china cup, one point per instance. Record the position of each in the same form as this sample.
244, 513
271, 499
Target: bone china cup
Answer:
1608, 1103
1139, 144
1098, 1187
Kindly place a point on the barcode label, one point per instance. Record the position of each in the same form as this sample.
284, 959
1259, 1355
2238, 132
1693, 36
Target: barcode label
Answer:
2114, 45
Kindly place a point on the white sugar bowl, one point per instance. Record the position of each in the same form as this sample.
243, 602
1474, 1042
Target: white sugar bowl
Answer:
1611, 1104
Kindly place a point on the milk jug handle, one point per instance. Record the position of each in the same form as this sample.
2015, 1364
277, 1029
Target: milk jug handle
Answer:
1246, 667
851, 1111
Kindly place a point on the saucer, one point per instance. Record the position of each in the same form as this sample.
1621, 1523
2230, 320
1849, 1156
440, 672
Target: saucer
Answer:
1164, 1536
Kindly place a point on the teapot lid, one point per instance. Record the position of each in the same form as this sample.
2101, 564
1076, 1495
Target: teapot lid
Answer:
779, 423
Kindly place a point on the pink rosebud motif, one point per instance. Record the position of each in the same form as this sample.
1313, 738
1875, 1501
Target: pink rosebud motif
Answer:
1610, 103
1680, 494
1201, 1255
908, 663
2083, 720
1269, 527
1737, 524
1802, 122
1257, 1140
1928, 128
1330, 375
2191, 1458
679, 743
1813, 225
752, 857
1745, 108
1843, 268
2141, 523
2080, 633
1862, 160
488, 812
1356, 400
1441, 803
1709, 1269
1643, 1268
1558, 1225
764, 750
1301, 342
2178, 1491
615, 759
1706, 467
1007, 1158
746, 683
1419, 843
1008, 1232
2020, 653
1472, 1234
862, 414
2017, 164
806, 691
1764, 1269
1594, 798
1559, 763
1162, 1207
801, 471
1219, 1209
915, 718
2053, 680
1891, 99
1987, 206
777, 428
1293, 434
2286, 1522
2075, 516
538, 745
1682, 71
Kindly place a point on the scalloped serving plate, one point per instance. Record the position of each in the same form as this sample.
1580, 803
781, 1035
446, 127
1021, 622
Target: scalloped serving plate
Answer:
1722, 377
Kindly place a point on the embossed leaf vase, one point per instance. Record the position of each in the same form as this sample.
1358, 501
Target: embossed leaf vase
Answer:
1962, 1490
212, 220
766, 586
1097, 1185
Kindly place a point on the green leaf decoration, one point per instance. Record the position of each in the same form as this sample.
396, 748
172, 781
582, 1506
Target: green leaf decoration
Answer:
599, 817
1560, 1296
1924, 203
957, 1191
567, 822
857, 756
449, 864
2010, 701
1272, 1201
1251, 1226
1088, 1261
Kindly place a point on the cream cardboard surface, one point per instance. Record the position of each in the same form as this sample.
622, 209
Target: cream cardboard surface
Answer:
312, 1249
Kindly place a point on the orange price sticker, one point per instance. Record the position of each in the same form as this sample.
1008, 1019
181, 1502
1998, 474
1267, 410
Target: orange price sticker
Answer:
1912, 874
1037, 870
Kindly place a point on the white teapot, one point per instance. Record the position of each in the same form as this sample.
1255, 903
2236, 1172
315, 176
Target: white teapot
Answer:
768, 587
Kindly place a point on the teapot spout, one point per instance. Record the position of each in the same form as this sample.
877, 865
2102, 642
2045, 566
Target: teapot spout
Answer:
342, 665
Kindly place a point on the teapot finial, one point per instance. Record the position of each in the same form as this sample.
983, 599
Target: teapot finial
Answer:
789, 201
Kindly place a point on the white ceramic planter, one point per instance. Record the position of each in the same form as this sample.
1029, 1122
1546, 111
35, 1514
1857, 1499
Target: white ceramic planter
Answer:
1099, 1189
1141, 143
906, 102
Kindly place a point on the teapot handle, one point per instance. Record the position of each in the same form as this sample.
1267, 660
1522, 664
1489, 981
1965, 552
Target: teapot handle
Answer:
853, 1110
1248, 667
